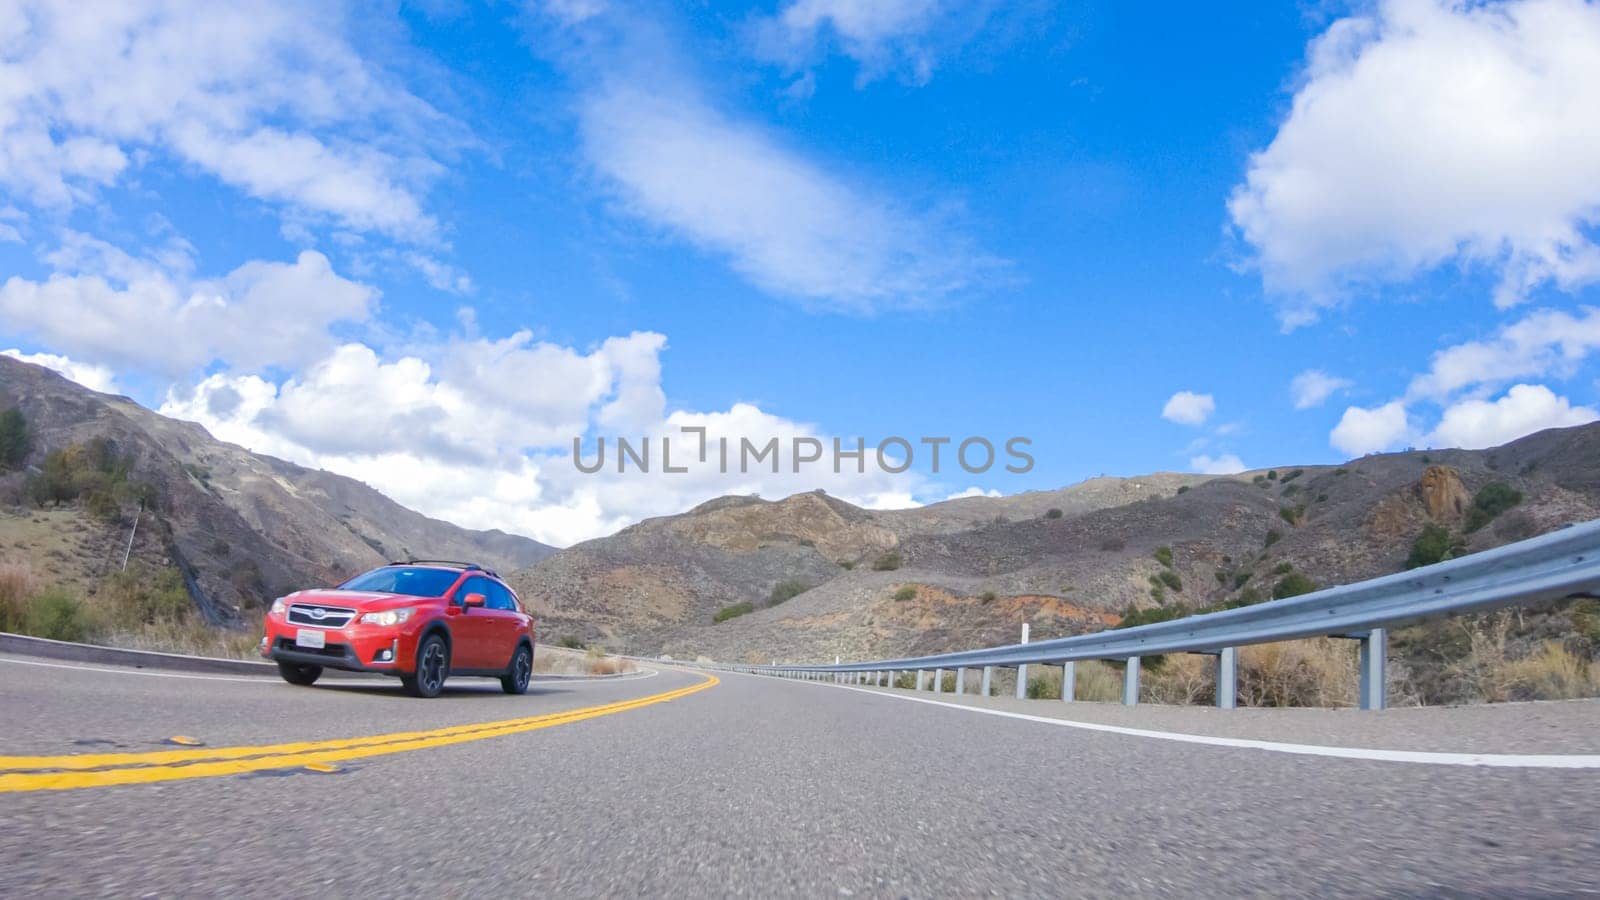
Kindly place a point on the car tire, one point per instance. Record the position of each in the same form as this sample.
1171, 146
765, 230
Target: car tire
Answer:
299, 673
433, 666
518, 674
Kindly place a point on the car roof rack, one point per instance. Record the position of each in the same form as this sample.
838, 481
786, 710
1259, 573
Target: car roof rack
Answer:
451, 563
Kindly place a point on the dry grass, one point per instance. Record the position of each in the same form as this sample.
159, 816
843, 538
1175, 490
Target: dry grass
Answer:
1317, 672
1553, 673
564, 661
1179, 680
18, 587
1489, 672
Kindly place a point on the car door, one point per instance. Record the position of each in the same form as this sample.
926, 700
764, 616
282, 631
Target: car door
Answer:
507, 625
472, 628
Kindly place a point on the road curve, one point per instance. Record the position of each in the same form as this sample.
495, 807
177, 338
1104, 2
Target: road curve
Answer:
750, 786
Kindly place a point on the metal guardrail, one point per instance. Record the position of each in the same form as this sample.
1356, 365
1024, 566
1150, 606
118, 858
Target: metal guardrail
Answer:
1562, 564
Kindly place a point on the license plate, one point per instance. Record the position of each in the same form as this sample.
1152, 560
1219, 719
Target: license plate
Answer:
310, 637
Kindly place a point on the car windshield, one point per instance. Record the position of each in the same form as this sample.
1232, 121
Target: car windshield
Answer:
415, 581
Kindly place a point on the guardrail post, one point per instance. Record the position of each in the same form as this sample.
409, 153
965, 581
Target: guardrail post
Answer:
988, 673
961, 680
1130, 682
1374, 659
1069, 682
938, 681
1228, 678
921, 678
1022, 670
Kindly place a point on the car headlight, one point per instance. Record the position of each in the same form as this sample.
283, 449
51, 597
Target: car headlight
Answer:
278, 607
387, 617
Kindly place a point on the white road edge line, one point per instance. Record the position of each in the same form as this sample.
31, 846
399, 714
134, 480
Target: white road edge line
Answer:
270, 681
1498, 760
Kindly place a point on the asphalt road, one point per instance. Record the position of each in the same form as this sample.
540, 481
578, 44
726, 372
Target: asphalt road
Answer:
756, 787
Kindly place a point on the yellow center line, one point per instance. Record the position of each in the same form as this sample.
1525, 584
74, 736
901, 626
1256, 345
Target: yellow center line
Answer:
21, 773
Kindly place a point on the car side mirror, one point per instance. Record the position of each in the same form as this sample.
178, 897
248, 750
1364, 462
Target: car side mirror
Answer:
474, 600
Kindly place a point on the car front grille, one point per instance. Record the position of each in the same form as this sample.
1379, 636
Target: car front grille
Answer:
316, 615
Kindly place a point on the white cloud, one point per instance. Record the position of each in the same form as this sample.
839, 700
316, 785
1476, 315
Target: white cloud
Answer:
268, 98
1361, 431
1189, 408
110, 307
479, 433
1313, 387
1525, 408
95, 378
877, 34
1432, 131
1545, 342
1225, 464
973, 491
784, 222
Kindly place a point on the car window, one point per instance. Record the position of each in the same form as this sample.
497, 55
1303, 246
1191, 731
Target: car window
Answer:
415, 581
475, 585
500, 597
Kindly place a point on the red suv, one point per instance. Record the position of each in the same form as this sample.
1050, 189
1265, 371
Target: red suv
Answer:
420, 620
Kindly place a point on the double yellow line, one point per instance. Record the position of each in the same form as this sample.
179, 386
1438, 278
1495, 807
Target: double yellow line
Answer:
62, 773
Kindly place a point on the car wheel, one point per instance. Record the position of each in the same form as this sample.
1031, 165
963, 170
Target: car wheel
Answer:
433, 664
515, 681
298, 673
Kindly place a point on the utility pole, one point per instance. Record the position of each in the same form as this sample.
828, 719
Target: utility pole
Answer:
129, 551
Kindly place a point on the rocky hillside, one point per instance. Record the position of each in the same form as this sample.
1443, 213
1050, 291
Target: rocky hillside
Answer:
242, 527
970, 571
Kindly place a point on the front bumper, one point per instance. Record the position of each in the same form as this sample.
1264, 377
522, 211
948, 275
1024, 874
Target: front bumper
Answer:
354, 648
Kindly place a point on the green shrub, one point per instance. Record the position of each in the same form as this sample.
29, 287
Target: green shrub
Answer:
1272, 475
987, 597
1293, 475
733, 612
1289, 490
1341, 471
1273, 537
1158, 593
1164, 556
887, 562
1052, 513
1283, 568
570, 642
1240, 579
847, 565
1292, 585
908, 592
1432, 545
1249, 597
1043, 687
1292, 514
1586, 620
1491, 500
103, 506
1132, 617
787, 590
15, 441
140, 596
57, 616
1171, 580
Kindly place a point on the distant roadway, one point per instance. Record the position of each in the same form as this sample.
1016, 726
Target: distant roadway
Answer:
675, 783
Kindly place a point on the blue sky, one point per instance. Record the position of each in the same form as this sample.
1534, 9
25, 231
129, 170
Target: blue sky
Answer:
427, 245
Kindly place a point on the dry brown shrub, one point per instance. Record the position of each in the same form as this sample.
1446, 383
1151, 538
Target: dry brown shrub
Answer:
1181, 680
1553, 673
18, 585
1316, 672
